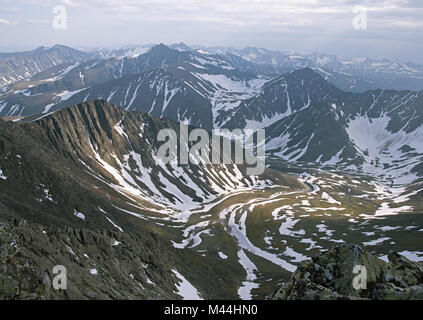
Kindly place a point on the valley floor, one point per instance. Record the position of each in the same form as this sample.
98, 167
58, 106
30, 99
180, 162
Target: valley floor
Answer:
263, 235
244, 244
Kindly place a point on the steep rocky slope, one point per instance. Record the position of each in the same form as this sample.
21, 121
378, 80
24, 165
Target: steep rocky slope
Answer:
83, 188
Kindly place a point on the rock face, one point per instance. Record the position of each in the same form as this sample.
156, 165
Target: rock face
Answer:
330, 276
99, 264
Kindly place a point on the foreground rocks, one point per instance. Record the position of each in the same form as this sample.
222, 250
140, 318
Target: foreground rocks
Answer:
99, 264
330, 276
104, 264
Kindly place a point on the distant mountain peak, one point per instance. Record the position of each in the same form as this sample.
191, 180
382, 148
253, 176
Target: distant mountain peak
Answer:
181, 46
299, 75
160, 46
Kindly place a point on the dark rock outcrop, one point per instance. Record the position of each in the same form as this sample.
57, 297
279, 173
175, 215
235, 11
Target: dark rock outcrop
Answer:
99, 264
330, 276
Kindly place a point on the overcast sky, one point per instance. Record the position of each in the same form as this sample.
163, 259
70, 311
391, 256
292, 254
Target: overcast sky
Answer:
394, 27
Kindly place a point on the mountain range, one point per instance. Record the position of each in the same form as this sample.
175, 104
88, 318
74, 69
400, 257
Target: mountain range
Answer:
210, 90
51, 75
81, 182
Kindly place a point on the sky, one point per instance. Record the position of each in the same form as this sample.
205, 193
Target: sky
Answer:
371, 28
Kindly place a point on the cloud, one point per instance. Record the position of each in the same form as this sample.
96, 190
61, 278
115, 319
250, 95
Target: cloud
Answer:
244, 13
38, 22
4, 21
4, 9
70, 3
